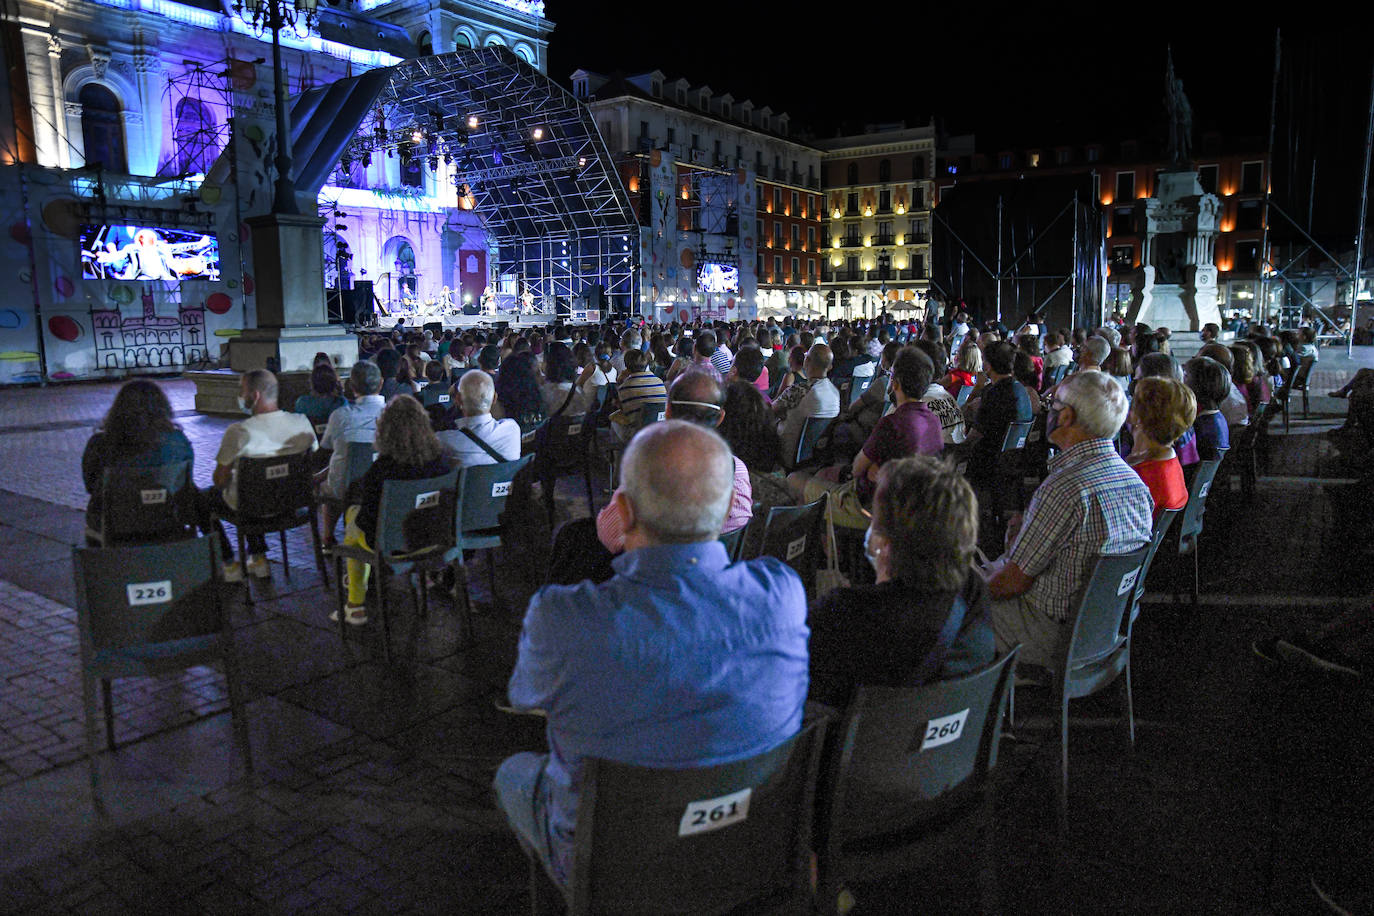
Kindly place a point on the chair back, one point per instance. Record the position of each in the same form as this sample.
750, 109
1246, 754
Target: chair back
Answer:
810, 435
564, 445
860, 386
906, 750
135, 597
482, 493
1190, 526
733, 542
358, 457
436, 394
1017, 433
845, 387
275, 486
401, 526
651, 413
145, 505
1099, 642
795, 534
1300, 377
705, 840
961, 398
1054, 376
1161, 528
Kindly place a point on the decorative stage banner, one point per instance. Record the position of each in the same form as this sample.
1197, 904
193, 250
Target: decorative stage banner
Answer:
472, 267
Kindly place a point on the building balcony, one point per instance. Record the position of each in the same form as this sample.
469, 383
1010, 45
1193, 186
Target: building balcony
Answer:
851, 241
917, 238
883, 240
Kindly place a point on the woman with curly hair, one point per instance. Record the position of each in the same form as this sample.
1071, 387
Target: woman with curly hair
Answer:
138, 432
407, 449
517, 391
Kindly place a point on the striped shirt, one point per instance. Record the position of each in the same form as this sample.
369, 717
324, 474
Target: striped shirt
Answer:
722, 359
638, 389
1091, 503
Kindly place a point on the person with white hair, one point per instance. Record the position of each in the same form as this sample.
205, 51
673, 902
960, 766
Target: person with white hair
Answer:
478, 438
1110, 334
681, 659
1091, 503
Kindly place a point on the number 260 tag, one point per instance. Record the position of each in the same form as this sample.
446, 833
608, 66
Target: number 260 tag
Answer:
944, 730
714, 813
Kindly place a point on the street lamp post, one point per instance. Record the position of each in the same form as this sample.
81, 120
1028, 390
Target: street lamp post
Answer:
273, 16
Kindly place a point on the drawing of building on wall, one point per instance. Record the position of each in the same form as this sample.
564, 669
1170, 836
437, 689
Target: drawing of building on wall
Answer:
149, 340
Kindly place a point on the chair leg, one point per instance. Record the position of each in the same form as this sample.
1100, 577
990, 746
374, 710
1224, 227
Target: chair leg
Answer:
417, 585
339, 587
462, 601
591, 500
319, 547
286, 566
243, 563
1063, 766
379, 577
1197, 578
491, 578
92, 737
109, 712
1127, 704
236, 712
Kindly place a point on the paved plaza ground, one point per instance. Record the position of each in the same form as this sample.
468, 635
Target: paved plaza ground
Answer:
372, 783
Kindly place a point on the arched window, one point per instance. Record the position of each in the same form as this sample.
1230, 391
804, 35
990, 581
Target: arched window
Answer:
102, 128
495, 41
525, 54
195, 137
852, 173
425, 44
406, 281
885, 170
462, 41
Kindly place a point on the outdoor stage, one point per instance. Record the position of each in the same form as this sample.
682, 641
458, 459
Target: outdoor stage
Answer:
465, 322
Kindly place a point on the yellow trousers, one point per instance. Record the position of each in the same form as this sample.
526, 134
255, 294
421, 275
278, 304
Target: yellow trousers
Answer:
357, 570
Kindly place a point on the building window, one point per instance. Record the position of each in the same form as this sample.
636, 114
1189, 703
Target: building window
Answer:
777, 200
1252, 178
918, 198
644, 129
851, 204
1123, 221
672, 135
885, 170
696, 141
796, 236
656, 89
852, 173
1247, 257
918, 266
884, 201
102, 128
1091, 154
681, 96
1248, 215
462, 41
918, 168
1063, 156
777, 268
425, 44
1207, 177
810, 238
884, 232
777, 234
811, 271
795, 275
1125, 185
795, 210
196, 138
1123, 257
1034, 159
1004, 161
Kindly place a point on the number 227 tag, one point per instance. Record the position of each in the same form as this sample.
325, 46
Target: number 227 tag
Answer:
714, 813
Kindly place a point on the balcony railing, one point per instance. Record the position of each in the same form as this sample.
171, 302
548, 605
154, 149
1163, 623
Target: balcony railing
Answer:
917, 238
883, 239
851, 241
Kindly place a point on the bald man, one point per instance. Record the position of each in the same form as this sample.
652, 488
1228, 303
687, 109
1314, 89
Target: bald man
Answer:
681, 659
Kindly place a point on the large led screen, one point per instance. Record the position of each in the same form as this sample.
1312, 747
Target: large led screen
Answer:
148, 253
718, 278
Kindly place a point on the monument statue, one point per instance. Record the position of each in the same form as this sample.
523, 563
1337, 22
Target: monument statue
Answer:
1180, 119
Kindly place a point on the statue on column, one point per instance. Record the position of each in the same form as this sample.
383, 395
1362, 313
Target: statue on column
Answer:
1180, 119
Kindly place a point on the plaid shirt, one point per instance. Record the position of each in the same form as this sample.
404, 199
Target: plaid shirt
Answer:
1091, 503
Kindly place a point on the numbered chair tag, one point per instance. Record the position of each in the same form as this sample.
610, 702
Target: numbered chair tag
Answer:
574, 429
374, 456
714, 813
427, 500
149, 592
1128, 581
1202, 493
944, 730
796, 548
500, 489
278, 471
444, 398
153, 497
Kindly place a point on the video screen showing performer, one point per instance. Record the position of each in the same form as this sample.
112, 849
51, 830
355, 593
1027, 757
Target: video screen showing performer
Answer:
148, 253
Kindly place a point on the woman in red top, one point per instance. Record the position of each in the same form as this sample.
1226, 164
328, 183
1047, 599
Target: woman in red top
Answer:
1161, 411
964, 371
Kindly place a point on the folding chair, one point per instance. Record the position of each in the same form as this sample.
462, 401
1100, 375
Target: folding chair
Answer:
861, 384
647, 414
1161, 528
1190, 527
482, 493
358, 457
845, 387
1300, 381
147, 610
1054, 377
715, 839
565, 452
275, 495
796, 535
1095, 653
1006, 484
145, 505
811, 433
734, 542
393, 554
436, 395
1244, 461
909, 781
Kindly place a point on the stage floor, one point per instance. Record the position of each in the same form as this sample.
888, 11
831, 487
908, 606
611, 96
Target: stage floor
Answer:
455, 322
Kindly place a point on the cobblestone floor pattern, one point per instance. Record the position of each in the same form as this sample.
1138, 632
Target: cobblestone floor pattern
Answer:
372, 785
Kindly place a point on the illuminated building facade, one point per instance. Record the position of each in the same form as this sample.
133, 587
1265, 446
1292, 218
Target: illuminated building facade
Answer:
877, 232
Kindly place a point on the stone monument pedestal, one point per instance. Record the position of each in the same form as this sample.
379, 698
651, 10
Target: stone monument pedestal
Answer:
1179, 281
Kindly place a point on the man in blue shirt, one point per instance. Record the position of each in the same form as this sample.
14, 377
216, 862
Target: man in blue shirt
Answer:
680, 660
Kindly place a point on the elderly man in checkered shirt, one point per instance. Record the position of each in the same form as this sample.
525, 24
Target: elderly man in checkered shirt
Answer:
1091, 503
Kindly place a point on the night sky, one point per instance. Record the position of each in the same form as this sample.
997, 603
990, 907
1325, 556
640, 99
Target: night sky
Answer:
1013, 79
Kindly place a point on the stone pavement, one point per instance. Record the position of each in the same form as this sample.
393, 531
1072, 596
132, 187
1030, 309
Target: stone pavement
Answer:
372, 785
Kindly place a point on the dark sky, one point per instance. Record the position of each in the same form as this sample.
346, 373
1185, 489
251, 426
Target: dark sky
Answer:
1013, 79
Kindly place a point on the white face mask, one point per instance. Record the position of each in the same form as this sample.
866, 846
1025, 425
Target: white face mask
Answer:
243, 406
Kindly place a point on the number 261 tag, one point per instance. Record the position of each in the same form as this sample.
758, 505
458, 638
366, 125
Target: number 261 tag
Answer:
714, 813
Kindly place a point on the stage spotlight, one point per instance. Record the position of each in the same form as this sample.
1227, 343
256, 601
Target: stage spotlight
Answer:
417, 137
438, 121
581, 162
496, 155
367, 160
538, 133
472, 122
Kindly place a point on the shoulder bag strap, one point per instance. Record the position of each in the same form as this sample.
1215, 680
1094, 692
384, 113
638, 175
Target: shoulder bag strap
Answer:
482, 443
953, 623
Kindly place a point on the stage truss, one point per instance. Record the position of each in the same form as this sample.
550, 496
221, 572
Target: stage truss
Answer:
523, 153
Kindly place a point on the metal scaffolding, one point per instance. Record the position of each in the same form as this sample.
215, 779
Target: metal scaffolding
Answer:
198, 102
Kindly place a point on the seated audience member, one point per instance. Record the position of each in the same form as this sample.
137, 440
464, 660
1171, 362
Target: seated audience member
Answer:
138, 432
965, 370
1210, 384
517, 392
921, 543
911, 429
476, 426
1024, 371
794, 384
562, 384
1233, 407
389, 362
1091, 354
325, 397
1162, 365
1003, 401
1161, 411
681, 659
630, 340
695, 397
268, 431
1029, 344
858, 419
748, 427
821, 399
1118, 366
637, 388
748, 367
939, 400
1091, 503
1056, 353
489, 359
776, 362
1248, 375
354, 422
1307, 344
407, 449
405, 378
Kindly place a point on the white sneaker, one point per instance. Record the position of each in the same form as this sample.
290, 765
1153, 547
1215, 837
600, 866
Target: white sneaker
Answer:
259, 567
231, 571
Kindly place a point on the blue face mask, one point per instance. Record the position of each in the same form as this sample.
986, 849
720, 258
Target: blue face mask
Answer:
868, 553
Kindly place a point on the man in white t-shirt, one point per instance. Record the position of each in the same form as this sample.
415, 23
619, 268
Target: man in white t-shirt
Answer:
267, 432
475, 394
354, 422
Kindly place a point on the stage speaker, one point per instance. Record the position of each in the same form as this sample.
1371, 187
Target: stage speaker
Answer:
595, 294
471, 310
435, 327
356, 302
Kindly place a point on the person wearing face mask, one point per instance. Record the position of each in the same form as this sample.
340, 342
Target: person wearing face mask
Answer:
921, 544
910, 429
267, 432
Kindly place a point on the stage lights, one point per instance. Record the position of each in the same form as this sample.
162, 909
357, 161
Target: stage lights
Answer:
537, 133
473, 122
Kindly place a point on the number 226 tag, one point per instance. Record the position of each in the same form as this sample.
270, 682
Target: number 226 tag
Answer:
714, 813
